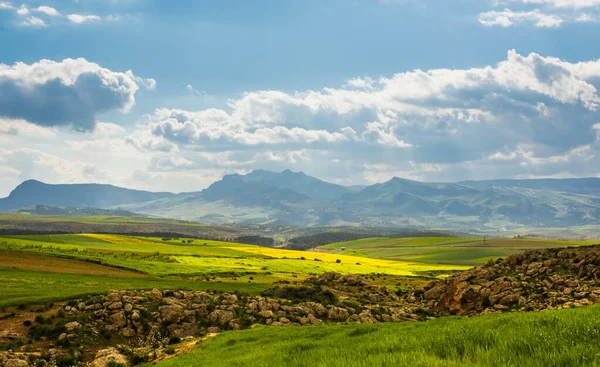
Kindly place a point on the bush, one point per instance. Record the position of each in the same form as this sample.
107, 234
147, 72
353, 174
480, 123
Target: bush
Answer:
27, 323
338, 261
174, 340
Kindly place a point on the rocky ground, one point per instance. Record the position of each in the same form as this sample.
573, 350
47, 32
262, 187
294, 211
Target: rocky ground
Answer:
129, 327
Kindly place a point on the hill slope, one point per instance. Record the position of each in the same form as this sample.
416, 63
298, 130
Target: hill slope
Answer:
33, 192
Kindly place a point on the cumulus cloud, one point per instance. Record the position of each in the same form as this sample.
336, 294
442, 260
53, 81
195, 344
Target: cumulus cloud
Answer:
78, 18
573, 4
33, 22
522, 114
71, 92
507, 18
48, 10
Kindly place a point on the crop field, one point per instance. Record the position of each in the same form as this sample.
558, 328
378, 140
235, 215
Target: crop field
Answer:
32, 265
551, 338
36, 268
443, 250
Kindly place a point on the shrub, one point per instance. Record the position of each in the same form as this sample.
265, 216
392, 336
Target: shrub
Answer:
338, 261
174, 340
27, 323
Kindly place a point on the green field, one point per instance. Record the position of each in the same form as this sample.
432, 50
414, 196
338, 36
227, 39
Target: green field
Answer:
29, 287
552, 338
157, 257
443, 250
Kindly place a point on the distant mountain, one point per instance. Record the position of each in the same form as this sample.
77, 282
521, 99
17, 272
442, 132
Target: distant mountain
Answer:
294, 198
33, 192
299, 182
574, 185
252, 190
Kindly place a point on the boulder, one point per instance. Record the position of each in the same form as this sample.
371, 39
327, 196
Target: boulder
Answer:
105, 356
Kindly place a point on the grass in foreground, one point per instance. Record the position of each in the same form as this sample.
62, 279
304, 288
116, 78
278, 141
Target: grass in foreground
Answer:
28, 286
552, 338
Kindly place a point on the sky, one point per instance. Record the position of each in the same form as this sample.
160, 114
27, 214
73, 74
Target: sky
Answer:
167, 95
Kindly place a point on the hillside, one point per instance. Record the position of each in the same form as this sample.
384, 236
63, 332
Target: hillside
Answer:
32, 192
294, 198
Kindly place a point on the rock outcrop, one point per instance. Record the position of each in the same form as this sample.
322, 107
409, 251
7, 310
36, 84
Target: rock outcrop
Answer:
532, 281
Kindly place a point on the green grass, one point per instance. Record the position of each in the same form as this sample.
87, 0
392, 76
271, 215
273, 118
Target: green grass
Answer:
552, 338
27, 286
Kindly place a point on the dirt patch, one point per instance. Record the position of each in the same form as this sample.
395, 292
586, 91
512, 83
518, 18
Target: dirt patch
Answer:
27, 261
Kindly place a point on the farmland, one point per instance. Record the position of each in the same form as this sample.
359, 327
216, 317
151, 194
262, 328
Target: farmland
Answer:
36, 268
443, 250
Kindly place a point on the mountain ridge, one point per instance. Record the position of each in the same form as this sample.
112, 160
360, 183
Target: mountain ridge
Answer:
294, 198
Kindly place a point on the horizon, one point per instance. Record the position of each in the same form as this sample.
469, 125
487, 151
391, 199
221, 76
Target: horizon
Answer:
164, 96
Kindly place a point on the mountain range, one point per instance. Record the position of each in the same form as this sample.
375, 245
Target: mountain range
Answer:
294, 198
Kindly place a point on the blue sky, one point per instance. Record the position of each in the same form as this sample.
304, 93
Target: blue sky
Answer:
354, 92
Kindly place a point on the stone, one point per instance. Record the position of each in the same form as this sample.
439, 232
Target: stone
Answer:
338, 314
172, 314
105, 356
155, 295
73, 325
115, 306
220, 317
118, 319
16, 363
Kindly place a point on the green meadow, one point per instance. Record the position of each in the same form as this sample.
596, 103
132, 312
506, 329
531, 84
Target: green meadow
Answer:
30, 287
553, 338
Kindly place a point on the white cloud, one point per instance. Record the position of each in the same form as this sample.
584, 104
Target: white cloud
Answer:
507, 18
33, 22
70, 92
79, 19
23, 10
6, 5
48, 10
529, 114
587, 18
574, 4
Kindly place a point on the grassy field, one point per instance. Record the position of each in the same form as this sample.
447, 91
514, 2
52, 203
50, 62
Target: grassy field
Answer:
30, 286
198, 257
32, 265
552, 338
443, 250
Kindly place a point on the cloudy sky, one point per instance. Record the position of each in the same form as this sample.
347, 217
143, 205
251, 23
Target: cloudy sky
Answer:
171, 95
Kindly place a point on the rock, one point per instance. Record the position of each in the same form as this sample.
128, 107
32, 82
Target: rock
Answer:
338, 314
266, 314
213, 330
16, 363
113, 296
118, 319
172, 314
104, 356
128, 307
115, 305
220, 317
155, 295
62, 337
74, 325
